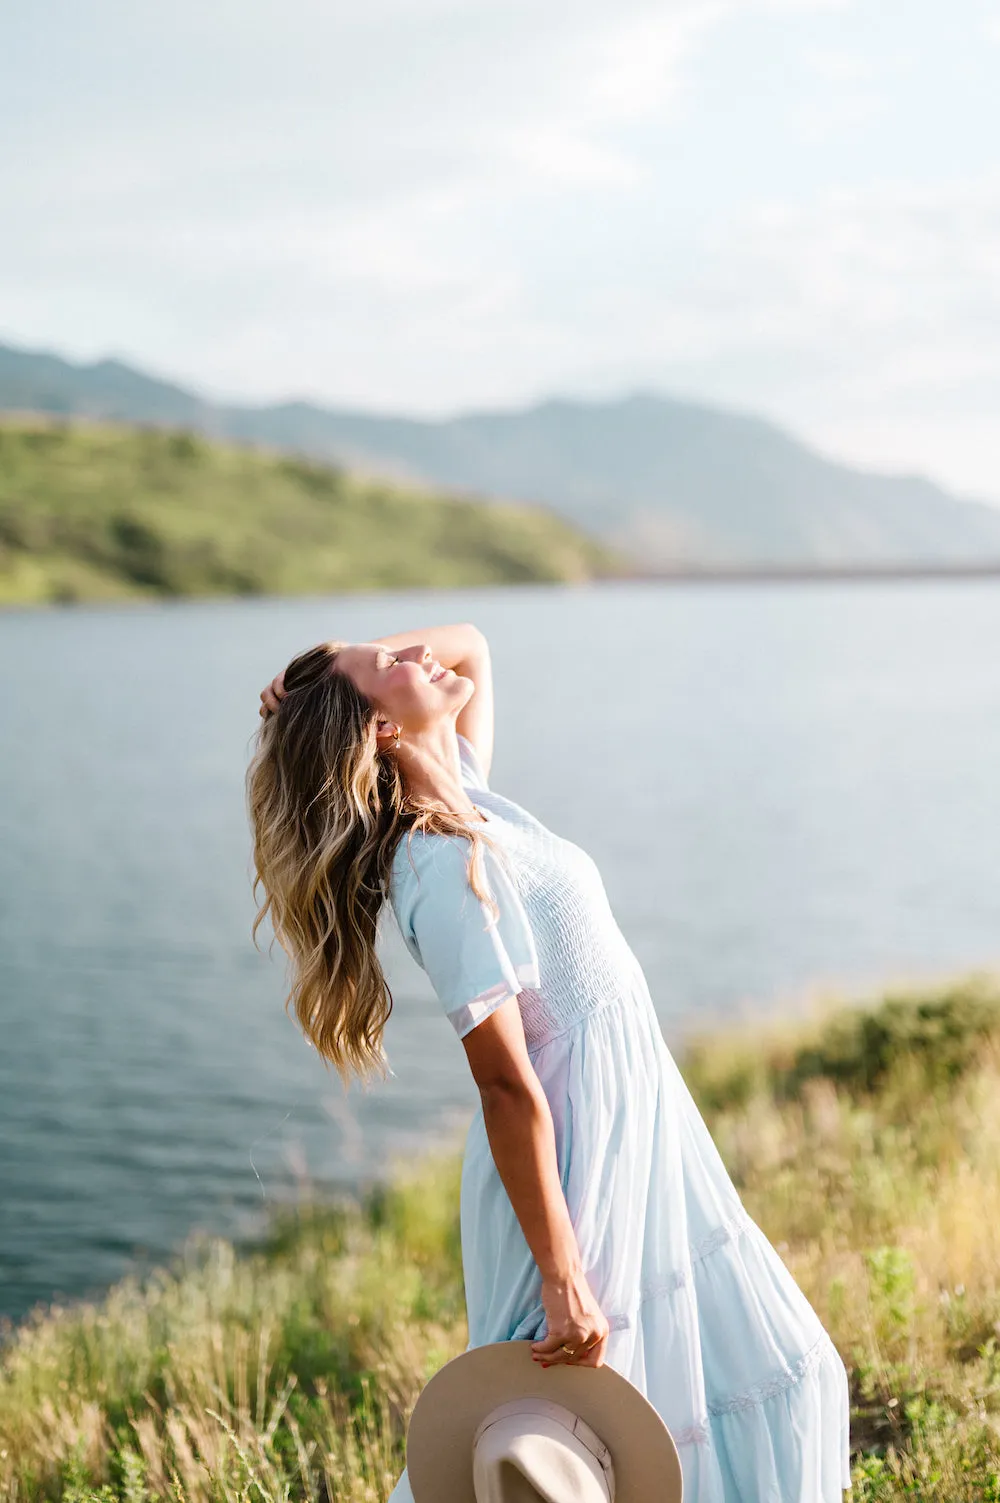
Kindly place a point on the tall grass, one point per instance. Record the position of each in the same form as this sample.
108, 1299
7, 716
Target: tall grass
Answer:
868, 1148
288, 1370
866, 1144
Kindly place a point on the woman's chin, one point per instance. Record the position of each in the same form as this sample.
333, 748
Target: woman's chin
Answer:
457, 689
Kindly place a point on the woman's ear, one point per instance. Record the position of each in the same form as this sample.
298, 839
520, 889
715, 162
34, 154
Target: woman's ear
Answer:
386, 732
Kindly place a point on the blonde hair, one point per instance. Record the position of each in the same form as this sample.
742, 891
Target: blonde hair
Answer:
327, 810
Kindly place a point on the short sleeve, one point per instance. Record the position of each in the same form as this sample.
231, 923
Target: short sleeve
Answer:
475, 962
472, 769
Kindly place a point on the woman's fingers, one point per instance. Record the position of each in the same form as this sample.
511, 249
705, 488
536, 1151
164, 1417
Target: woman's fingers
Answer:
593, 1355
549, 1349
586, 1349
273, 694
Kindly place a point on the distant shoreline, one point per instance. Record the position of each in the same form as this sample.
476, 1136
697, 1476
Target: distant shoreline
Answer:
779, 574
792, 574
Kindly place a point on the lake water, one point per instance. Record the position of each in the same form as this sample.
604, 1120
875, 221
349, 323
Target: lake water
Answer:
789, 789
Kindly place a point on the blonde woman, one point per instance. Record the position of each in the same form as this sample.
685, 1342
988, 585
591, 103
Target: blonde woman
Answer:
597, 1218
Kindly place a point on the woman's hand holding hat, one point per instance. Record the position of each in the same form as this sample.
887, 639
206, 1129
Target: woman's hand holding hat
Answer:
577, 1328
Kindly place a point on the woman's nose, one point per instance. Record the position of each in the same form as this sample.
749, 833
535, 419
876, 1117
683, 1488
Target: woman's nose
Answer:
417, 652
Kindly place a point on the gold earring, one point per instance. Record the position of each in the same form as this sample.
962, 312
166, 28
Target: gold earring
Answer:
396, 737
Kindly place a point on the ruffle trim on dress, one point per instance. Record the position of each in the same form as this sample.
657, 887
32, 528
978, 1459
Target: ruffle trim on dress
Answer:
729, 1231
678, 1280
700, 1433
692, 1435
751, 1398
777, 1383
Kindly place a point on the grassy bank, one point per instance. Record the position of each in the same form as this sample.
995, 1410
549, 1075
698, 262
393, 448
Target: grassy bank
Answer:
99, 513
866, 1144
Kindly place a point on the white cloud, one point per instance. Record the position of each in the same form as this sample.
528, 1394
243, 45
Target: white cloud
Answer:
872, 321
428, 204
852, 91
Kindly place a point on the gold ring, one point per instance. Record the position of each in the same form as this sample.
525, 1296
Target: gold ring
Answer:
569, 1350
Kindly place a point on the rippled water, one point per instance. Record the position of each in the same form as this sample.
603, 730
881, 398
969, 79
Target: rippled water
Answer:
786, 788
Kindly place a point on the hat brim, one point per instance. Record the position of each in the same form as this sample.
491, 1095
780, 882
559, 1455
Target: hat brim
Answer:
444, 1421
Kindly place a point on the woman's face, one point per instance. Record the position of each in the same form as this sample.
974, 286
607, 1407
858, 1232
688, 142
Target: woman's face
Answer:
408, 686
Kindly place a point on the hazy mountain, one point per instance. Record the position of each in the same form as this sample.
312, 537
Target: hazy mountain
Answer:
35, 382
669, 481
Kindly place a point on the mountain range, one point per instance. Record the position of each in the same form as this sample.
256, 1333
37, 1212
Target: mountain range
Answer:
670, 483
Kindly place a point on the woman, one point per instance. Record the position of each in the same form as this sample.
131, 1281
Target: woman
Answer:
597, 1218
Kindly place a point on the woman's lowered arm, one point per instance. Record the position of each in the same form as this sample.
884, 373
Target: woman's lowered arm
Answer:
521, 1135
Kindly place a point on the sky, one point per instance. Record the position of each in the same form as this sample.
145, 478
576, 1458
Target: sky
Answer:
786, 207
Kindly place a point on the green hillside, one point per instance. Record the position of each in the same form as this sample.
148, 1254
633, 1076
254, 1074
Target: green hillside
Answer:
110, 513
671, 484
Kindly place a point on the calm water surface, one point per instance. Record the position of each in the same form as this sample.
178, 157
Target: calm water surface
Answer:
788, 789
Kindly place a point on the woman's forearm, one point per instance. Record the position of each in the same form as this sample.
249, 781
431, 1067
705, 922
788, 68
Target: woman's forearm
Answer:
522, 1140
451, 645
464, 649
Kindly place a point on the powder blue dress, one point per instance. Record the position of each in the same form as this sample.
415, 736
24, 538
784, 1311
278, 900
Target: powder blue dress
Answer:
705, 1318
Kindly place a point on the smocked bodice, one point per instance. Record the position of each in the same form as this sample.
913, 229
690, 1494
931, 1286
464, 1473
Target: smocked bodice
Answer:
584, 961
556, 943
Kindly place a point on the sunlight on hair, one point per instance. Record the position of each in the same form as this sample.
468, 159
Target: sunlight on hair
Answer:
327, 811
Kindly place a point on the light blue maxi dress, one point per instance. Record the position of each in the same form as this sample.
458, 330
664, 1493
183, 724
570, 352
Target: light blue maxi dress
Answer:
705, 1318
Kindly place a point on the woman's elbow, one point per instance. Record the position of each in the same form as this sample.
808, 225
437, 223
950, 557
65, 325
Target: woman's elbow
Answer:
511, 1094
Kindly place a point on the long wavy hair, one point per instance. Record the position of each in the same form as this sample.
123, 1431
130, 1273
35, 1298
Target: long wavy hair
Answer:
327, 810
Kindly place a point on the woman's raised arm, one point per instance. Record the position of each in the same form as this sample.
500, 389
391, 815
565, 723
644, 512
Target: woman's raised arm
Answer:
464, 649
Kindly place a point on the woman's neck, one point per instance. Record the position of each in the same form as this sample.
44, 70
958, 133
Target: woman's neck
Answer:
431, 769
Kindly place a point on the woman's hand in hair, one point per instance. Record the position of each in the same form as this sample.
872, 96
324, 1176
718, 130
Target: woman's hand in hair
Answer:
272, 696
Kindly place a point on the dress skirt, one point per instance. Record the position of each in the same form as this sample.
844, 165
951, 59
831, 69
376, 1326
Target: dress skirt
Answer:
705, 1318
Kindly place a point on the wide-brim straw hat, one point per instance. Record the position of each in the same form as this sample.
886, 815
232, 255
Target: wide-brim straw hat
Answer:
492, 1418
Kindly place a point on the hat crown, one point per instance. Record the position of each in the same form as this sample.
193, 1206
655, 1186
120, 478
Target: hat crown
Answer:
532, 1448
